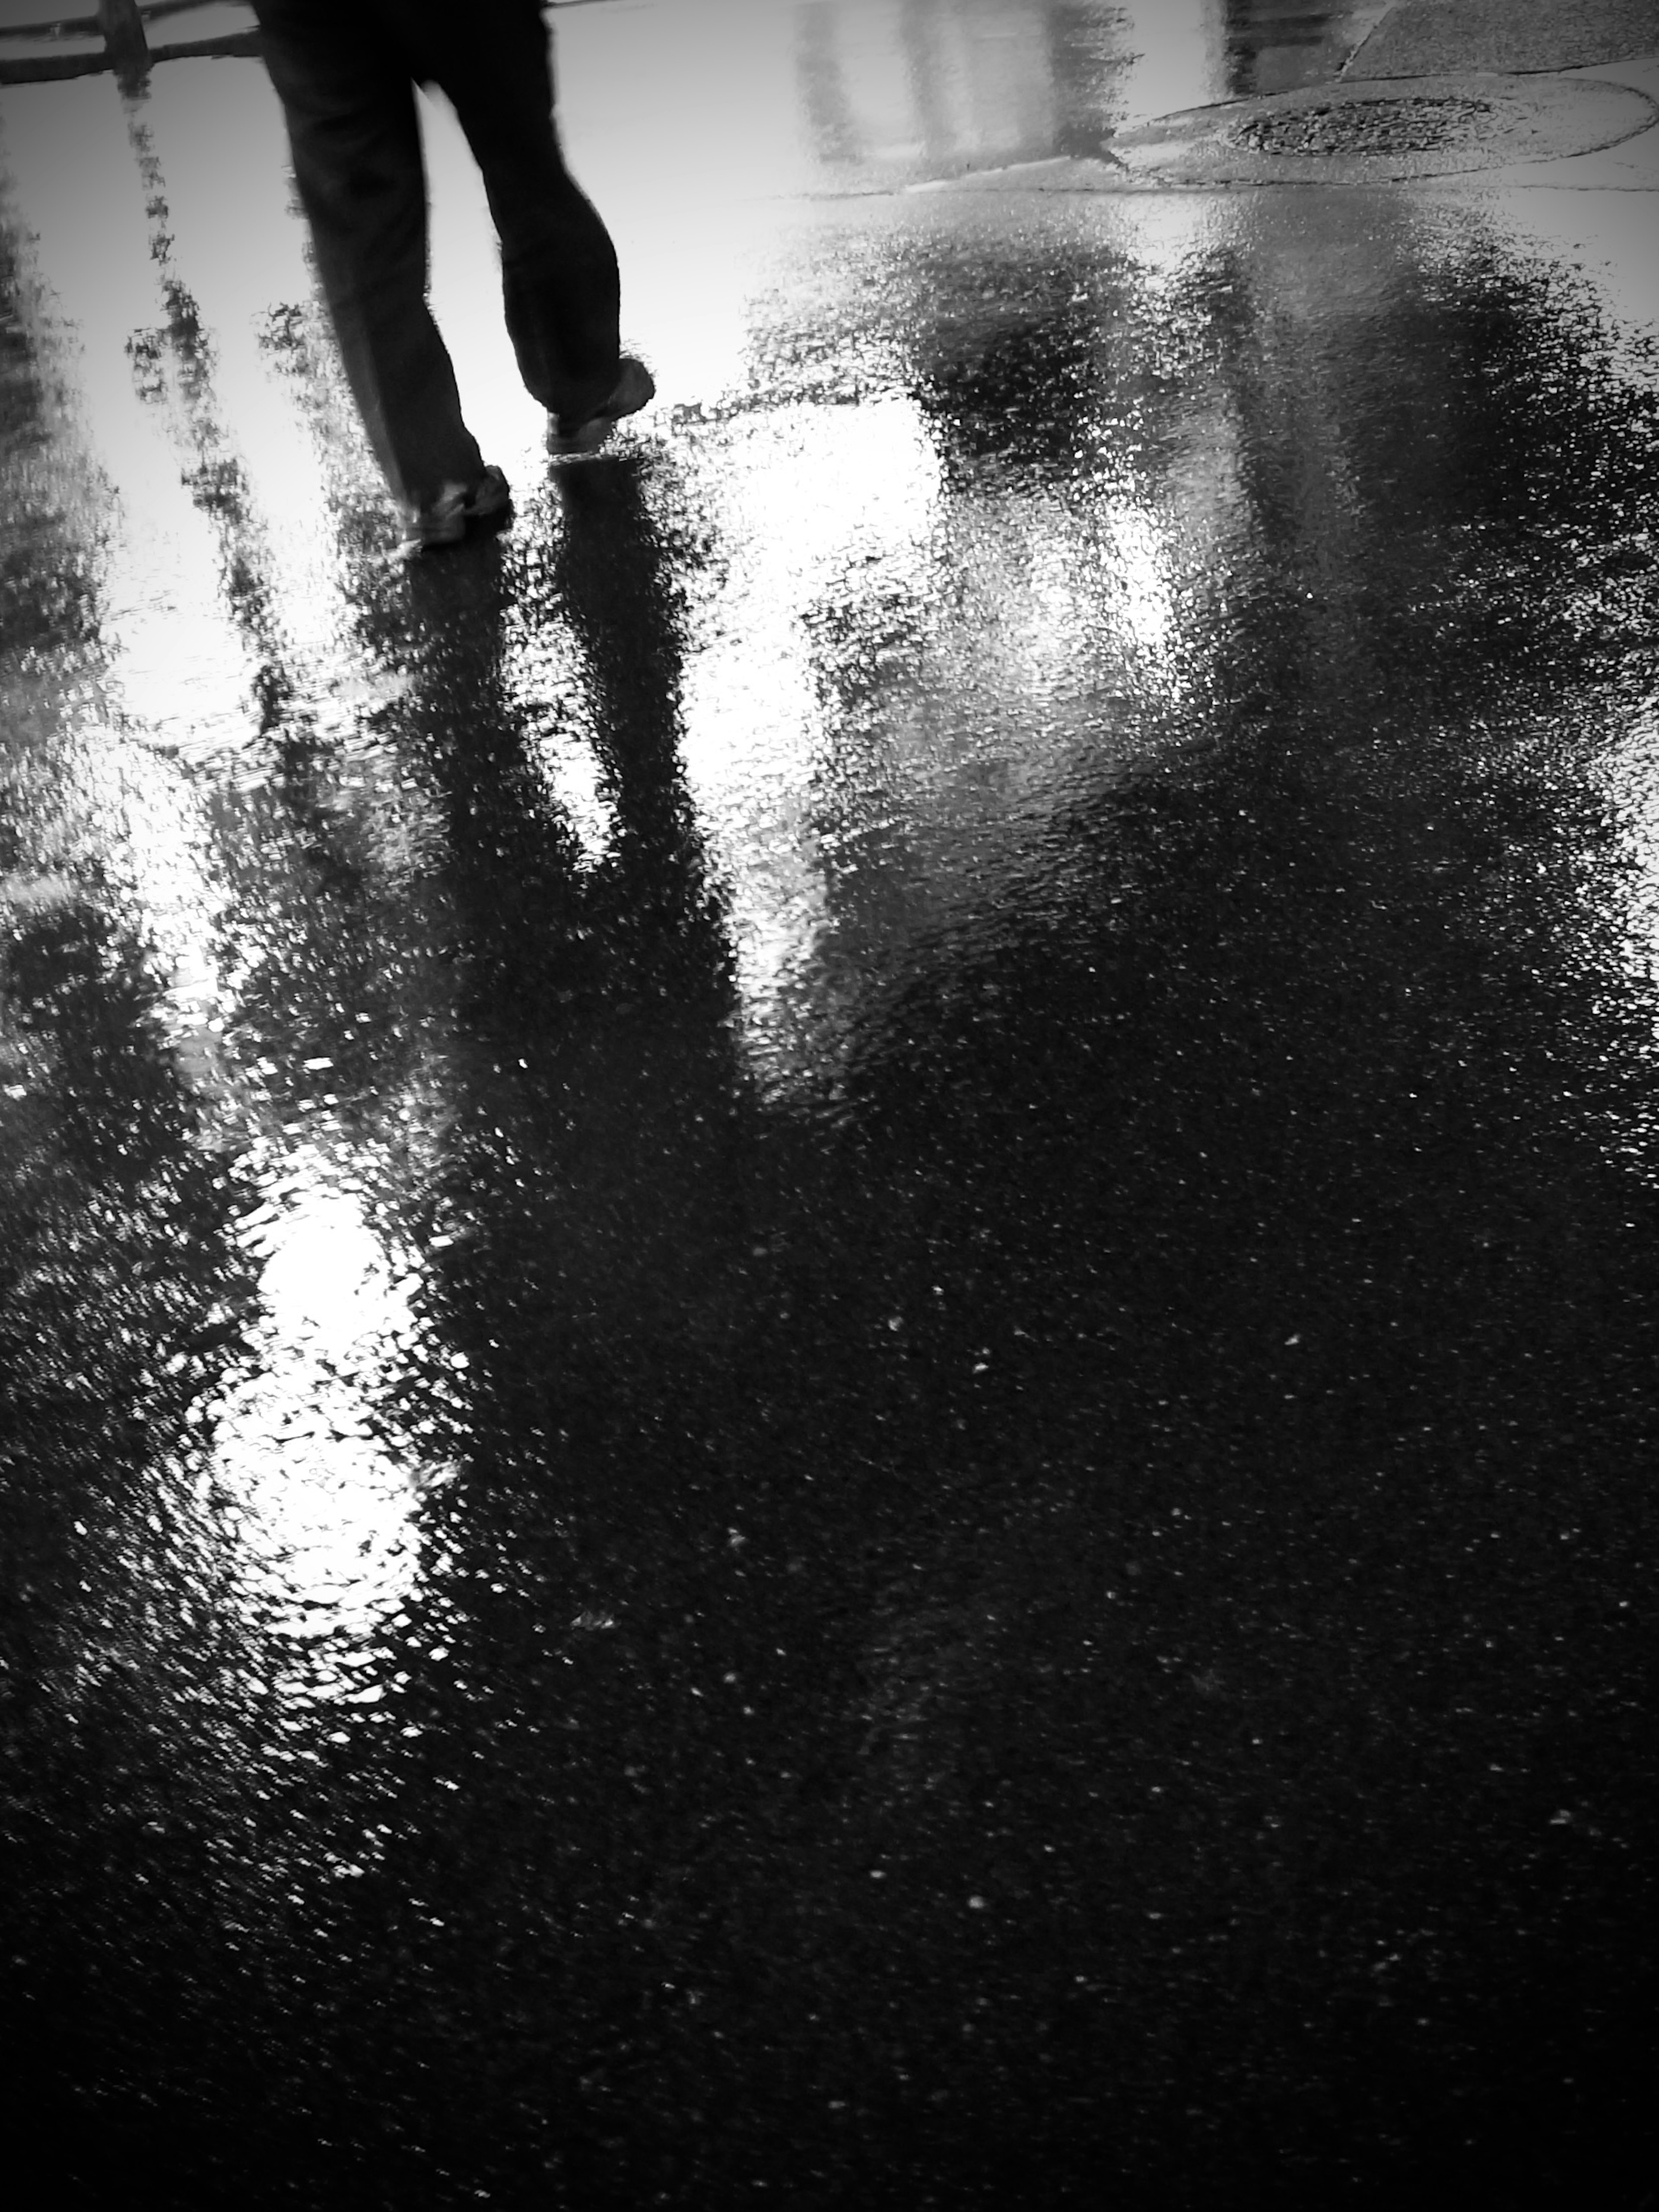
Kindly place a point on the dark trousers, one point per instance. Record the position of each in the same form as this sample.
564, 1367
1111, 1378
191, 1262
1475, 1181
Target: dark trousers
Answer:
345, 71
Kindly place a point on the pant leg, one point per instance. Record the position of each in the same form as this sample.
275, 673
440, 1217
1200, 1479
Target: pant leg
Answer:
559, 275
348, 97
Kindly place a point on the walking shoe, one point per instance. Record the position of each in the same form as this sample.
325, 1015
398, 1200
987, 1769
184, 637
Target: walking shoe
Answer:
634, 389
444, 520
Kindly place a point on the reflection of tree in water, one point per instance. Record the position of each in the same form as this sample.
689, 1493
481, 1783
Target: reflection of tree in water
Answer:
134, 1702
119, 1305
146, 1838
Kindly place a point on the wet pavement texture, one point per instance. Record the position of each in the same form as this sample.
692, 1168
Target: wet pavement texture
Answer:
829, 1297
1422, 35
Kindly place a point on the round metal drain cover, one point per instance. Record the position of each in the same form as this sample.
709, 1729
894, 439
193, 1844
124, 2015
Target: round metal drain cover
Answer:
1427, 124
1382, 131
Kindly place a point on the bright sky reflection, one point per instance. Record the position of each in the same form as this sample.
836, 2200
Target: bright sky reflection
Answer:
1144, 605
1178, 57
545, 672
324, 1501
819, 512
830, 490
1630, 780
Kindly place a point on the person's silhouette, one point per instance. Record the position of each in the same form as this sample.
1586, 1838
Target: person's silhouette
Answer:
345, 71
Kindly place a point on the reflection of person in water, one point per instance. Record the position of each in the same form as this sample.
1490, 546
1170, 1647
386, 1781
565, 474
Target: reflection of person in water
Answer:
605, 987
345, 72
577, 1294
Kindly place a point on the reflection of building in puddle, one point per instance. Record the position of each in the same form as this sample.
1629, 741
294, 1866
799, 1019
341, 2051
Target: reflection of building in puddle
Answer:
832, 493
948, 85
323, 1496
164, 257
971, 82
919, 650
903, 85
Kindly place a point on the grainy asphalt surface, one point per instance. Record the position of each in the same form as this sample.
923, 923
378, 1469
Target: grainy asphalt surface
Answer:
829, 1297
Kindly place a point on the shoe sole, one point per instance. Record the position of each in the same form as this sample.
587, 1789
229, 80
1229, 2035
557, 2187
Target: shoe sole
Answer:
491, 503
587, 437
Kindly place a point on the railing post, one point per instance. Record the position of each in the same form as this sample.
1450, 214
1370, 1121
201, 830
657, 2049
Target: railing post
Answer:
124, 41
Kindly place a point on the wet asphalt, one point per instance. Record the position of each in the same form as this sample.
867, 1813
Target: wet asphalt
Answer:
829, 1295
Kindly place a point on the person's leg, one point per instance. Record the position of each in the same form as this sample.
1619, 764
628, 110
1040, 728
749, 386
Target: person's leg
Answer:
559, 274
348, 97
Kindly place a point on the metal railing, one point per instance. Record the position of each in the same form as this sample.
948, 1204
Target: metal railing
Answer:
123, 29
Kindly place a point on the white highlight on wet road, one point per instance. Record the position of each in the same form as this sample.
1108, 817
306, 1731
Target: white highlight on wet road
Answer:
823, 492
1179, 56
323, 1502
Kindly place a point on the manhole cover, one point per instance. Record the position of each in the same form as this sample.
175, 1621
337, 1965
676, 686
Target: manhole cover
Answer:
1362, 134
1423, 126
